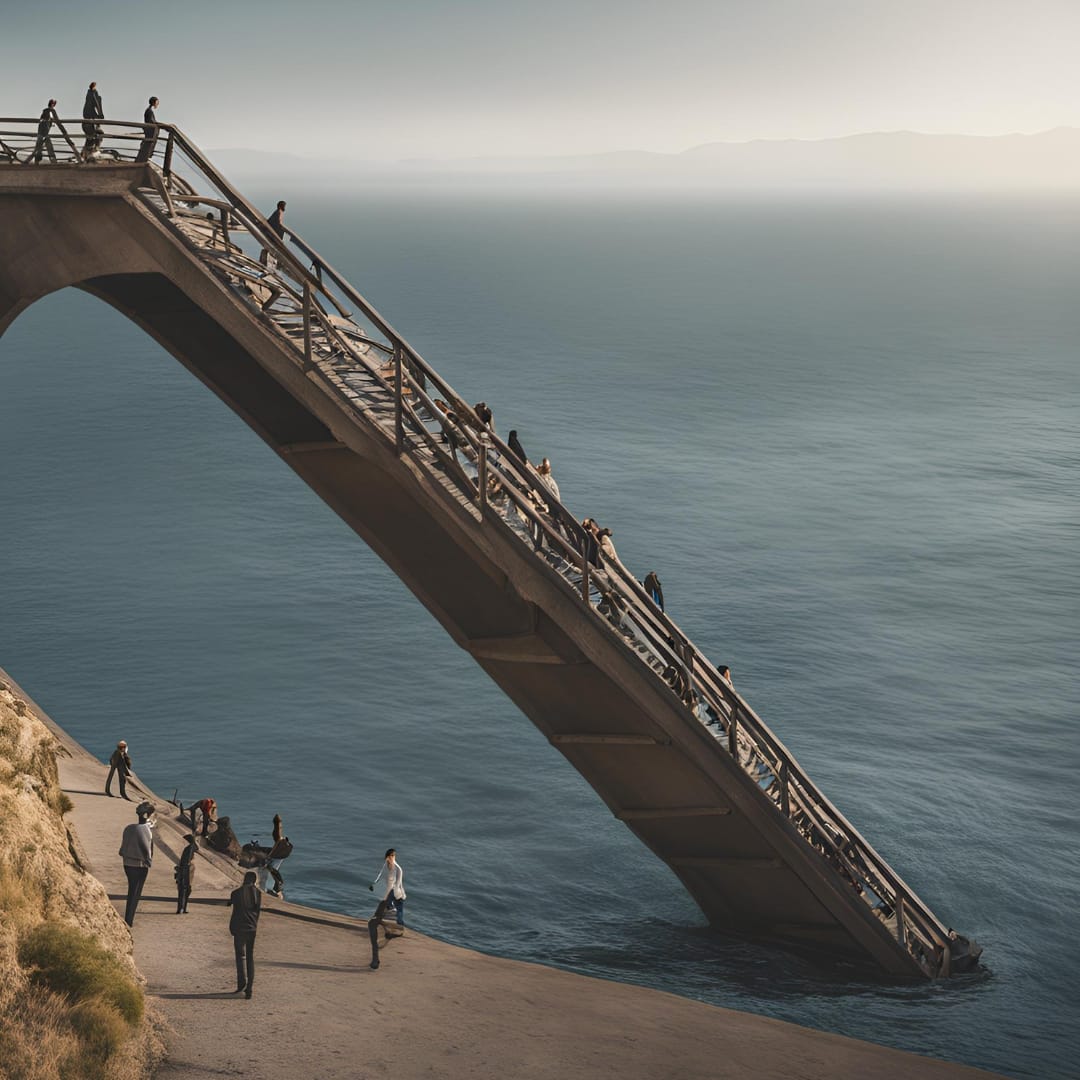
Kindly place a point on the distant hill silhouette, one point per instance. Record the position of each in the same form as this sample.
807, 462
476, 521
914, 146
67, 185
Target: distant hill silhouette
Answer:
877, 160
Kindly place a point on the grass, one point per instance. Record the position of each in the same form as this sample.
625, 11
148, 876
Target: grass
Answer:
71, 963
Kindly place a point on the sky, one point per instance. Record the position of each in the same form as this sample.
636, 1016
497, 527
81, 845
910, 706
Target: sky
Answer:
401, 79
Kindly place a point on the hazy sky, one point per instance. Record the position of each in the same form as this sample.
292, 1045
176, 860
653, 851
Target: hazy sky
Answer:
405, 78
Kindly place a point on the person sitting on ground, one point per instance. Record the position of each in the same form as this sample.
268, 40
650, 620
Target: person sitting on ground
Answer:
185, 874
223, 839
208, 808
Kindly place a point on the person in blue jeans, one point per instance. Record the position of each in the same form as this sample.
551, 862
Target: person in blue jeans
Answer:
394, 894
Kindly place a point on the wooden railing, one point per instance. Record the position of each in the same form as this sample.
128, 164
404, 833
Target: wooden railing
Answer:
505, 493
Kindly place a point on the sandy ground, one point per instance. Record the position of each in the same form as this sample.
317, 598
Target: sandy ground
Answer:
431, 1010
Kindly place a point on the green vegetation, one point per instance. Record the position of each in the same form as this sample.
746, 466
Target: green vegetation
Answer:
72, 963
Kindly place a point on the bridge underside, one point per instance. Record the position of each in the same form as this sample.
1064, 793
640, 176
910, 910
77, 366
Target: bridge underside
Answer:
625, 733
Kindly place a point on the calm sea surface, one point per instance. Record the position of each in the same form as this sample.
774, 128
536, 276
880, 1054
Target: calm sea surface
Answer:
843, 432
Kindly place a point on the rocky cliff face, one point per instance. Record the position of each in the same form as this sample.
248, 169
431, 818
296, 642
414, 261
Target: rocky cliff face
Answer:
54, 1024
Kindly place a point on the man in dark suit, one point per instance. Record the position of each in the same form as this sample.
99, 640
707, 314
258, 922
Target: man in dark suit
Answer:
246, 903
92, 110
275, 223
44, 143
146, 147
120, 767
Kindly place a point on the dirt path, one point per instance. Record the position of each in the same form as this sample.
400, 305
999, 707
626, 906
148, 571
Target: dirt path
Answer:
432, 1010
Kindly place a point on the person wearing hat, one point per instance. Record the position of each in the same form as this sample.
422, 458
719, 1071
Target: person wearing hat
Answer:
120, 764
185, 874
137, 851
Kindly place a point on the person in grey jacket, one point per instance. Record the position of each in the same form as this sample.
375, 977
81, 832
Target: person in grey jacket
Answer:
246, 903
137, 851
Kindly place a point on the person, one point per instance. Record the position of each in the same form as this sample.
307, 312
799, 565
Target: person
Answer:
92, 110
485, 416
374, 923
603, 536
281, 850
208, 808
120, 765
137, 851
278, 226
725, 672
516, 448
246, 903
185, 873
44, 143
544, 472
150, 132
654, 589
394, 894
591, 539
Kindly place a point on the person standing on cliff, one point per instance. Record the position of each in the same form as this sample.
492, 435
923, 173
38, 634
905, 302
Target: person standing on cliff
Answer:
246, 903
185, 874
92, 110
120, 764
394, 896
137, 851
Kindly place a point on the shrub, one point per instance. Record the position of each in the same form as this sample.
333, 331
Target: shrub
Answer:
72, 963
64, 803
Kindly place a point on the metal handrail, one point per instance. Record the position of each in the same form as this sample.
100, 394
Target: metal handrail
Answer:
797, 795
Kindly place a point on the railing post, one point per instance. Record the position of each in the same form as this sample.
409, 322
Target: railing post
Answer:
307, 327
785, 796
733, 733
166, 167
481, 474
585, 573
901, 930
399, 431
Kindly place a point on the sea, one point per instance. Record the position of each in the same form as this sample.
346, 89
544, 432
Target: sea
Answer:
843, 429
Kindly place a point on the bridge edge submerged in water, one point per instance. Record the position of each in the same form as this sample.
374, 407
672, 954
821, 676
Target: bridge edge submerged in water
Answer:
567, 633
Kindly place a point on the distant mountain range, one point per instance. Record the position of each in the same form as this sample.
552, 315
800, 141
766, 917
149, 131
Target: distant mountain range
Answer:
878, 160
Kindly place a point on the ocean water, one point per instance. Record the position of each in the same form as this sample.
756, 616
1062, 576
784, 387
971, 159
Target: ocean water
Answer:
843, 431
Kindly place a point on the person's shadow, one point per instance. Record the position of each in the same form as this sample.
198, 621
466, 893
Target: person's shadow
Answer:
208, 994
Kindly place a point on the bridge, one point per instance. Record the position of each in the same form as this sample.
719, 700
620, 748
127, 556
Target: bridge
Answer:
139, 217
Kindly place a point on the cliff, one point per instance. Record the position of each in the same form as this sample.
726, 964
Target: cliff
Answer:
71, 999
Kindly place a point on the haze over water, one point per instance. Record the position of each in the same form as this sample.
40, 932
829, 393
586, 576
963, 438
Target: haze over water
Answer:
843, 433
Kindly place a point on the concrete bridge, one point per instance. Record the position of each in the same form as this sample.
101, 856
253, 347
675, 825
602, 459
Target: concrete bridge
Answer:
567, 632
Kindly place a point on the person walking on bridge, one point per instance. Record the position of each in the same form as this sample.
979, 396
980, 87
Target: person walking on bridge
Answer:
92, 110
120, 766
44, 143
246, 903
146, 147
275, 223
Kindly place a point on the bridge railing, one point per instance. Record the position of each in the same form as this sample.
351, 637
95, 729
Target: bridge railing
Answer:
435, 424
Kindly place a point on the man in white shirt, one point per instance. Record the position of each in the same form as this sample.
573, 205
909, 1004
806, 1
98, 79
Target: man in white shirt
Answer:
394, 894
